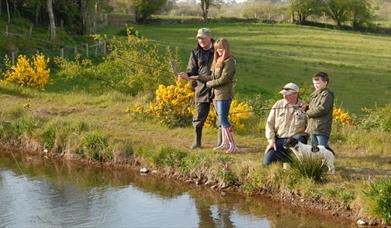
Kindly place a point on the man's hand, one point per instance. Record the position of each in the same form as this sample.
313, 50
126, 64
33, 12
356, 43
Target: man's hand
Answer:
183, 75
271, 145
195, 77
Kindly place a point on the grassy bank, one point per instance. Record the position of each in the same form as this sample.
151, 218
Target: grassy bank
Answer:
269, 56
85, 126
79, 116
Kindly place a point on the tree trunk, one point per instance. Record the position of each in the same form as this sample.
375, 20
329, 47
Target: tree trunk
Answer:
84, 14
95, 17
8, 12
16, 10
37, 13
52, 24
205, 8
1, 1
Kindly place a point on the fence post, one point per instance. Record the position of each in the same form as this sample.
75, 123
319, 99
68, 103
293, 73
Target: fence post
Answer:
96, 48
31, 30
13, 55
86, 50
6, 30
62, 52
75, 51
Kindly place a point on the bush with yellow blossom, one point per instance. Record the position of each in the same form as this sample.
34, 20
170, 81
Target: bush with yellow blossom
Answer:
341, 116
238, 112
174, 106
27, 72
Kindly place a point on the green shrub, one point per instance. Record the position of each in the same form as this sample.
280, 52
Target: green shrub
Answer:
169, 157
379, 117
58, 131
379, 196
132, 65
309, 167
96, 146
25, 125
126, 147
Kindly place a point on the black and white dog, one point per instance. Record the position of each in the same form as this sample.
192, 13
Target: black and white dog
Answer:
304, 150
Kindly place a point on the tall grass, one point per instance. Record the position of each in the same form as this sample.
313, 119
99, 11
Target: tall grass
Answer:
379, 198
309, 167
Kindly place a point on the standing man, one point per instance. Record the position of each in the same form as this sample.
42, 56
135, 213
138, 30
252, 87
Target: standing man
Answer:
200, 63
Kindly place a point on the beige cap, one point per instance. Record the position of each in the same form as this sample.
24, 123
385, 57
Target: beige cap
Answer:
204, 32
289, 88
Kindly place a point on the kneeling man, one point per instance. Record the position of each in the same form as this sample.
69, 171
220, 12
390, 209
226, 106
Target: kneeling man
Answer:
285, 120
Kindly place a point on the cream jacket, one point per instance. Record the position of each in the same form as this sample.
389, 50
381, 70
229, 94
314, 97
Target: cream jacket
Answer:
285, 121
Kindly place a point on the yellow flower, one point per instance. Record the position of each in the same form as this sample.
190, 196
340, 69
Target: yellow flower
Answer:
26, 72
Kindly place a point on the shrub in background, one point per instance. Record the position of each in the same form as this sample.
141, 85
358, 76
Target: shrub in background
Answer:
28, 72
379, 117
174, 106
132, 65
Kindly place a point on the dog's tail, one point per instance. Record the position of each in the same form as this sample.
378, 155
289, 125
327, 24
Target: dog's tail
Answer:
332, 151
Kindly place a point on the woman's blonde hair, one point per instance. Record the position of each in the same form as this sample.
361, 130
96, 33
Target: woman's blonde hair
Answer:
219, 60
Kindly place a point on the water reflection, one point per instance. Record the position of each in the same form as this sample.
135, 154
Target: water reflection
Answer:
44, 193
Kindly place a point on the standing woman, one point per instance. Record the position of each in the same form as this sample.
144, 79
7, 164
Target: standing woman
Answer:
221, 81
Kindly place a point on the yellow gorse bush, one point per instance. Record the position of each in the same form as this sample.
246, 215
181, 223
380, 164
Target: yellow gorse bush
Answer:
29, 73
341, 116
174, 106
173, 103
238, 112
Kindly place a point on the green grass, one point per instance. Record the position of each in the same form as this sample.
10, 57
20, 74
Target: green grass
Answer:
91, 121
269, 56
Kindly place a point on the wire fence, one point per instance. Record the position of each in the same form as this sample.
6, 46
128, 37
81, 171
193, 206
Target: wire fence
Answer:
84, 50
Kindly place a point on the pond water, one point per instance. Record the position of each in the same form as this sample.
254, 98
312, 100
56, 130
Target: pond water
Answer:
37, 192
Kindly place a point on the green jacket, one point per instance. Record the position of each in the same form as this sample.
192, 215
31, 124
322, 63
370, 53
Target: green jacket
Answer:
200, 62
320, 112
221, 81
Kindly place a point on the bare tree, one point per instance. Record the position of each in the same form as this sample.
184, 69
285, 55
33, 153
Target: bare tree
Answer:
205, 4
52, 24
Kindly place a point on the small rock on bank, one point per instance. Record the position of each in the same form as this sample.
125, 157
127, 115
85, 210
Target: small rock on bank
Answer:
144, 170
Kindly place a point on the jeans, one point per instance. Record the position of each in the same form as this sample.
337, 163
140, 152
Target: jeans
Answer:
222, 109
280, 154
322, 140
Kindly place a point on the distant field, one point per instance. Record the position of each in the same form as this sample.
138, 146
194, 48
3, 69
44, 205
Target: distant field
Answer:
269, 56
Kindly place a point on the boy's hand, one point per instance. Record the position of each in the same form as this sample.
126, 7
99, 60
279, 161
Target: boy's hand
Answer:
304, 107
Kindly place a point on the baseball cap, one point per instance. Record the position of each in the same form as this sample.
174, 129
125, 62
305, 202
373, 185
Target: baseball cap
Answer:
289, 89
204, 32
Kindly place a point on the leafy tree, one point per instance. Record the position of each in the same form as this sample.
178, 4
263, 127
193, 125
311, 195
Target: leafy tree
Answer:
145, 8
362, 12
304, 8
338, 10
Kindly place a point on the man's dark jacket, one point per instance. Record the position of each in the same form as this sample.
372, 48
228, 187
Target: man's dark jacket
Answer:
200, 63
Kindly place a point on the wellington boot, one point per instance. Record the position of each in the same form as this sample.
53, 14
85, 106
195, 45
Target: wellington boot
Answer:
197, 138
